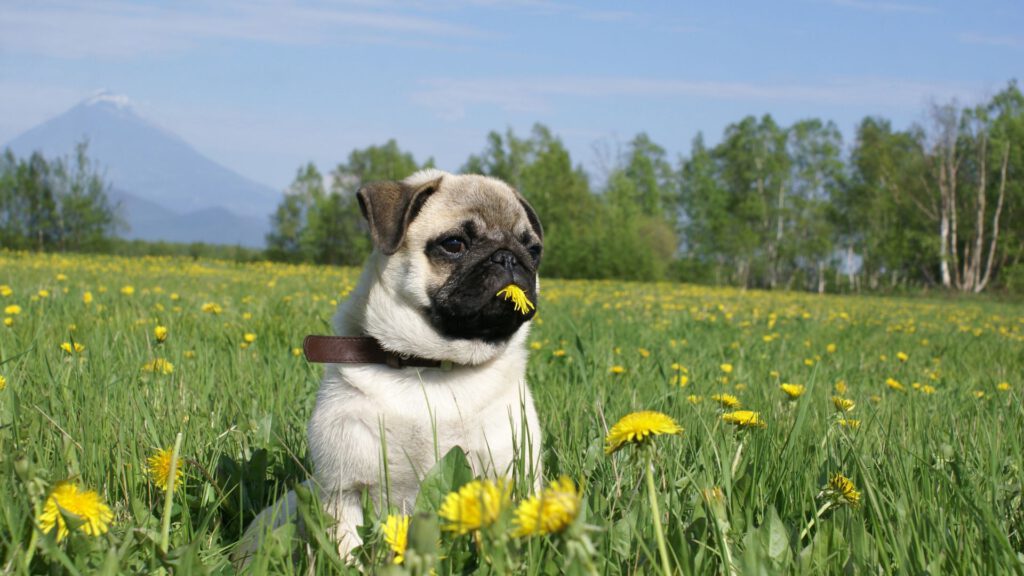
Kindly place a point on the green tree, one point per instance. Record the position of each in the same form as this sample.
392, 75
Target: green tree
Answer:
707, 225
878, 219
807, 245
321, 224
35, 187
754, 170
86, 220
288, 240
653, 178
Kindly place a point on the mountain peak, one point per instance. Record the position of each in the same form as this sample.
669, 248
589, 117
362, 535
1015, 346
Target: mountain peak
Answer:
148, 162
108, 98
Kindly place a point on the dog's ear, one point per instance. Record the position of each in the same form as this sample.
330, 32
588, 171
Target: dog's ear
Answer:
531, 214
389, 207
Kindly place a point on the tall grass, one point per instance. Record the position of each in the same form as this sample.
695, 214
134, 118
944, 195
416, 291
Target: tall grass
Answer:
939, 464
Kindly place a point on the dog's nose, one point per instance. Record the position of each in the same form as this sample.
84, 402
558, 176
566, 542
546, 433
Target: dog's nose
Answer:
505, 258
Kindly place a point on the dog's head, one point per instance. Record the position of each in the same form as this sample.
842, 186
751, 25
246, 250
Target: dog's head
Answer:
445, 246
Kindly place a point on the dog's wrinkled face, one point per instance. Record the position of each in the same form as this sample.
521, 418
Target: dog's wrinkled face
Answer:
464, 239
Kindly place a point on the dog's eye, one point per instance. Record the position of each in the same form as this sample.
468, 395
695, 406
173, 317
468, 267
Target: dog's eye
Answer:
535, 251
453, 245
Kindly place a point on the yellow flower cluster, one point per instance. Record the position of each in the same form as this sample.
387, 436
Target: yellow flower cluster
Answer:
638, 427
476, 505
158, 366
86, 506
158, 467
550, 512
520, 301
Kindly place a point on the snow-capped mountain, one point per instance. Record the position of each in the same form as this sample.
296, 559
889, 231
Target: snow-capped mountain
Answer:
167, 190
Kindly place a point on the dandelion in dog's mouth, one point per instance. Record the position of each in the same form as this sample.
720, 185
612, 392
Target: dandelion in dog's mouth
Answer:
518, 297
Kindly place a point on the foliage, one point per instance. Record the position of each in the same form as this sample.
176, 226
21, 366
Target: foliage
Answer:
321, 223
768, 206
891, 486
55, 205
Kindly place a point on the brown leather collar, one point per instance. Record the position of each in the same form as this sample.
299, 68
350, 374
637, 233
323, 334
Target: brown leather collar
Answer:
360, 350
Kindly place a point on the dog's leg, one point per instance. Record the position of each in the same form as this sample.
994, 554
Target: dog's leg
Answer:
347, 510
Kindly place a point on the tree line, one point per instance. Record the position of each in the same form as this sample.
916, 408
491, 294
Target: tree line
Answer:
55, 205
768, 206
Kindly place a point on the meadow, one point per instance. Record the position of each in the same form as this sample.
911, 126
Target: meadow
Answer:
887, 436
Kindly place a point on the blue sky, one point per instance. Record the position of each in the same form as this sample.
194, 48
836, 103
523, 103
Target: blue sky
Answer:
263, 87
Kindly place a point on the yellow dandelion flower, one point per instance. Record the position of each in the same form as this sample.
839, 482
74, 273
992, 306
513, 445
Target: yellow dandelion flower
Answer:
894, 384
5, 290
843, 404
549, 513
72, 348
637, 427
558, 353
793, 391
296, 352
979, 394
3, 383
681, 380
158, 467
249, 337
849, 423
694, 399
745, 418
774, 374
644, 352
12, 310
8, 321
928, 389
727, 368
189, 354
87, 297
212, 308
808, 361
1003, 386
520, 301
726, 400
831, 348
396, 535
128, 290
86, 505
159, 366
160, 333
476, 505
43, 293
841, 387
841, 491
617, 369
902, 356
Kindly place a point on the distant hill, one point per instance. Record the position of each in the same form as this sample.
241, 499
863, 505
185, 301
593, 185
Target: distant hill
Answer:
167, 190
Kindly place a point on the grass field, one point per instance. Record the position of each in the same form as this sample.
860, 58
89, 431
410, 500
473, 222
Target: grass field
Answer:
933, 445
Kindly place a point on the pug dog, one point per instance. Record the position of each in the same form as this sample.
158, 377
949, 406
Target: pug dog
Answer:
444, 246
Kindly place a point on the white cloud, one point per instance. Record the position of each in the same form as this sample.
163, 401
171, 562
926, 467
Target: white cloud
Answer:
451, 98
123, 29
876, 6
990, 40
